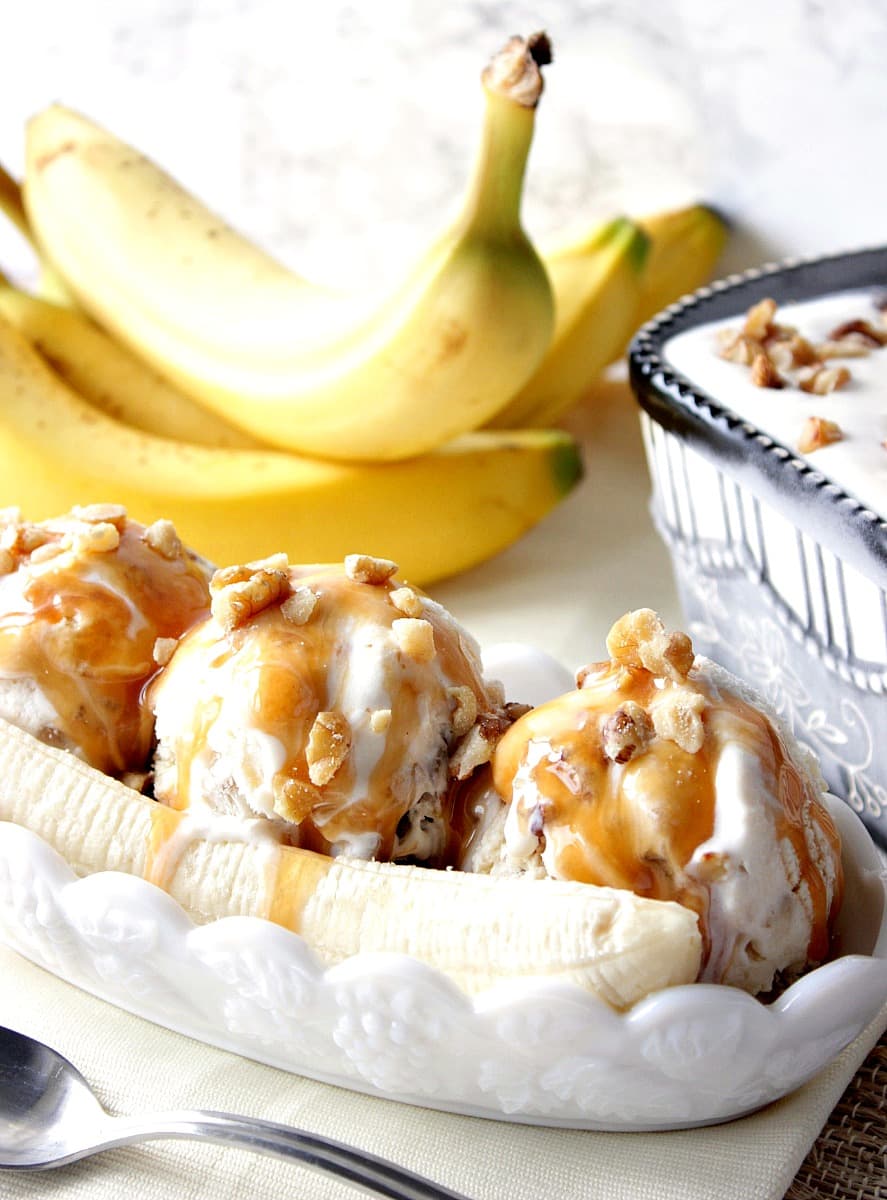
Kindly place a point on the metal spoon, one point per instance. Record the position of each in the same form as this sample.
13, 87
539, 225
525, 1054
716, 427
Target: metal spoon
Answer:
49, 1116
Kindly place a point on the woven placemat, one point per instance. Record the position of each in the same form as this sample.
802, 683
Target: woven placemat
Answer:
849, 1159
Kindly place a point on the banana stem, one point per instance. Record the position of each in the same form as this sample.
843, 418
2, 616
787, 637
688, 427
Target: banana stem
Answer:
512, 86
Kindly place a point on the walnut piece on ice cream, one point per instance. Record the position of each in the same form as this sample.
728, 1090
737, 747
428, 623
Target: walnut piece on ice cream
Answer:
329, 744
639, 639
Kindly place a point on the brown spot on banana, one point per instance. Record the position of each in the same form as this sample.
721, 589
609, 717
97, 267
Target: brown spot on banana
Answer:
45, 159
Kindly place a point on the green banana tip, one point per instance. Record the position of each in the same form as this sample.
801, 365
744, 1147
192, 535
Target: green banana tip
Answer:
567, 467
629, 238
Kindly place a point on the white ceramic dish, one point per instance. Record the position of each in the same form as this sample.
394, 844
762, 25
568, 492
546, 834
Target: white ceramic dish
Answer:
388, 1025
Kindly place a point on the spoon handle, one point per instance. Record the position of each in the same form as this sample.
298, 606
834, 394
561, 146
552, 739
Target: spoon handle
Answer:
372, 1174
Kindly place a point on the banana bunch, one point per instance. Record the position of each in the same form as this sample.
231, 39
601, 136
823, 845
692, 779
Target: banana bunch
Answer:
173, 363
618, 946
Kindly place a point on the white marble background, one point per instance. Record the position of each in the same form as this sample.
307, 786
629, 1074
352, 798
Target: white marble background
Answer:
339, 133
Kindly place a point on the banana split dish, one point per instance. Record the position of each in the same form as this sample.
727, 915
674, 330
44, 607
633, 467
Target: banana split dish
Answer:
766, 430
318, 745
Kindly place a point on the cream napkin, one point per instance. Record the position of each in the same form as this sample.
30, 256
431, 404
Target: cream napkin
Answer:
136, 1066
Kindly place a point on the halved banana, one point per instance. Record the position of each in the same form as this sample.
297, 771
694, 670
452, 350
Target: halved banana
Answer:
477, 930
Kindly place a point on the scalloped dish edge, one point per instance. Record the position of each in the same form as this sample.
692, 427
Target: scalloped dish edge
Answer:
385, 1024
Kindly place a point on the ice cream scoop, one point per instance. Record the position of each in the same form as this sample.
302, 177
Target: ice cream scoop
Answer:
84, 601
332, 703
664, 775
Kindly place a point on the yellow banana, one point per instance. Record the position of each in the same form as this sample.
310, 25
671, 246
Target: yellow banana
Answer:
110, 377
476, 929
686, 245
435, 515
11, 204
597, 286
605, 285
13, 208
233, 329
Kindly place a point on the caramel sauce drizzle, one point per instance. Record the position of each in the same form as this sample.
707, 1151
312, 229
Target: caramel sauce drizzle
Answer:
637, 825
85, 631
288, 669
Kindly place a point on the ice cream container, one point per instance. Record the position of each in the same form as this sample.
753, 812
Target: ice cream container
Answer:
780, 553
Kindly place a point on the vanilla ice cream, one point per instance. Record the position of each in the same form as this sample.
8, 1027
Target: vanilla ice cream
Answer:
829, 363
333, 703
665, 776
84, 599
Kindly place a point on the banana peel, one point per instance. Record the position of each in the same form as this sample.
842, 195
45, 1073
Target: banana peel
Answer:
685, 245
597, 284
110, 377
435, 515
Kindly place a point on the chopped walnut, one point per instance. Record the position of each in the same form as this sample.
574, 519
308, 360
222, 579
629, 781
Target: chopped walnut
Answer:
793, 352
473, 751
163, 539
271, 562
843, 349
492, 725
803, 352
415, 638
235, 603
861, 331
738, 348
7, 562
380, 720
225, 576
478, 744
299, 607
293, 799
759, 319
822, 380
818, 432
50, 550
99, 538
591, 672
363, 568
639, 639
780, 355
626, 732
329, 744
514, 710
764, 373
407, 601
164, 648
114, 514
677, 718
24, 538
464, 709
495, 692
